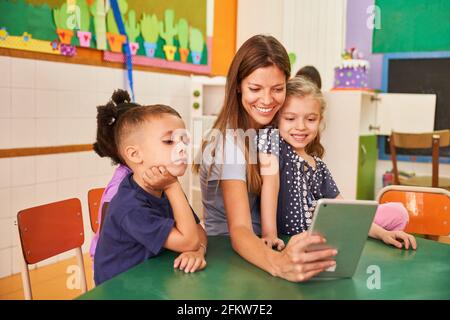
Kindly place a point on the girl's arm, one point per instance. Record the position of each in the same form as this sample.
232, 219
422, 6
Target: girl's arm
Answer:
269, 199
390, 237
294, 263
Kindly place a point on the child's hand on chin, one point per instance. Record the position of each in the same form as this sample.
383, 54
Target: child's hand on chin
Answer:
190, 261
158, 178
392, 237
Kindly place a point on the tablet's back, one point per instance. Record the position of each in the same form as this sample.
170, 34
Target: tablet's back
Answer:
345, 224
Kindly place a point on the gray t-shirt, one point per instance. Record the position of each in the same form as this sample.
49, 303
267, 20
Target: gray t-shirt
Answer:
228, 165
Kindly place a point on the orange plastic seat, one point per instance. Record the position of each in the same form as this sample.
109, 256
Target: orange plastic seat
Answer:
48, 230
428, 208
94, 199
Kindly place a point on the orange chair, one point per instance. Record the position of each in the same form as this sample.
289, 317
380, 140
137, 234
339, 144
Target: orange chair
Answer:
48, 230
428, 208
94, 199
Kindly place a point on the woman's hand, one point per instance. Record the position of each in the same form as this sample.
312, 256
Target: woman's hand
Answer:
158, 178
273, 242
191, 261
392, 237
296, 264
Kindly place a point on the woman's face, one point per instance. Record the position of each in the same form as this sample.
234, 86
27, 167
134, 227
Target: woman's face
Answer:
263, 93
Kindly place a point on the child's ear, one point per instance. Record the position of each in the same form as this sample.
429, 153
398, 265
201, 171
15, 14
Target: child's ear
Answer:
133, 154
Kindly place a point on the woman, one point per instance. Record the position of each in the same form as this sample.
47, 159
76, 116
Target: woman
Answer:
229, 173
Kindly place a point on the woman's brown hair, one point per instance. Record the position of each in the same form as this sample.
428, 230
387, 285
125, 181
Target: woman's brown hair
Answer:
259, 51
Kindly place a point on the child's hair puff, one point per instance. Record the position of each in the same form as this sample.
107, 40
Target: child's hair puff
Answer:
107, 117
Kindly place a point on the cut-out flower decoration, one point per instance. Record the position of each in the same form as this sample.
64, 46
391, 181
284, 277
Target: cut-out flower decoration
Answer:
55, 44
3, 33
26, 36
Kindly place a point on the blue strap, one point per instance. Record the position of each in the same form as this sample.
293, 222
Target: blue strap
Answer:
120, 25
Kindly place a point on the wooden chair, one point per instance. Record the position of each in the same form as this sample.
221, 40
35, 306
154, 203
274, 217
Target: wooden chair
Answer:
433, 140
48, 230
428, 208
94, 199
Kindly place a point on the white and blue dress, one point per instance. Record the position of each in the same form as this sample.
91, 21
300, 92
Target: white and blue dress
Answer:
301, 185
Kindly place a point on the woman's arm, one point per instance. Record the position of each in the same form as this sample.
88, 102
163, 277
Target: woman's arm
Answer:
294, 263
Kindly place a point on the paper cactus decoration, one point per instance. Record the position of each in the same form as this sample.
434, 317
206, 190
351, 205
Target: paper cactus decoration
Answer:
168, 30
150, 33
111, 21
196, 44
99, 9
183, 37
149, 28
132, 27
61, 16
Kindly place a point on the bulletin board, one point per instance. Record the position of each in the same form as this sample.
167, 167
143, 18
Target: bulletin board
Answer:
170, 34
412, 26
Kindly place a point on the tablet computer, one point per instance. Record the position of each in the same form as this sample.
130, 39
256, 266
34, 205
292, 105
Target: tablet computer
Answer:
345, 224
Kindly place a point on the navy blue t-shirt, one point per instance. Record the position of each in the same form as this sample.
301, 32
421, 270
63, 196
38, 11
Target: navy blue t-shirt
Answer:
301, 185
135, 229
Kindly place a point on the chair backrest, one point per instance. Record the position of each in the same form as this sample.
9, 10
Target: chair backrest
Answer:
428, 208
94, 199
48, 230
433, 140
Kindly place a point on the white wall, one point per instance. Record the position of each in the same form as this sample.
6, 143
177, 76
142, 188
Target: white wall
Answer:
313, 29
45, 104
259, 17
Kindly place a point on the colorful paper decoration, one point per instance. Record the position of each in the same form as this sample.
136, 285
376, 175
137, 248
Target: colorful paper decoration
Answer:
178, 37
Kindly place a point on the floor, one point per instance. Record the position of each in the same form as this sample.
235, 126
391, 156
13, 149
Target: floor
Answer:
47, 283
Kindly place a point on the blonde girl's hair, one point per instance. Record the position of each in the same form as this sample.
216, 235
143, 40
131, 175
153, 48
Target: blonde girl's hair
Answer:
301, 87
259, 51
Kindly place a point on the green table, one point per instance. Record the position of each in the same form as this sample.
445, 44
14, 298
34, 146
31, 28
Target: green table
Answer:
421, 274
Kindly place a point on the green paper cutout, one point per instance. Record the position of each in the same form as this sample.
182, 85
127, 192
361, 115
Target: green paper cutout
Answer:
150, 28
292, 58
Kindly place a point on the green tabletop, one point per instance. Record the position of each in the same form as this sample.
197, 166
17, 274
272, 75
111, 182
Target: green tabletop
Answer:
421, 274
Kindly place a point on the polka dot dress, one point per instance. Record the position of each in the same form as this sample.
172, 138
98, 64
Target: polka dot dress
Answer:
301, 185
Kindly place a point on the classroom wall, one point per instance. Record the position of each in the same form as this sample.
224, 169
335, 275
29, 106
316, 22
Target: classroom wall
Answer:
359, 36
46, 103
313, 30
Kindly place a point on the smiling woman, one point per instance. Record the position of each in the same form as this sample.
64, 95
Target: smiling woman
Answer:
255, 91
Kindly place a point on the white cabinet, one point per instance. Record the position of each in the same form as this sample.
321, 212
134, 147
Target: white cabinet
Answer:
405, 112
207, 96
352, 114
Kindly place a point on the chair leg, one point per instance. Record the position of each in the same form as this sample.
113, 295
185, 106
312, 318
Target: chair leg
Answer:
394, 159
434, 238
435, 162
80, 261
26, 281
